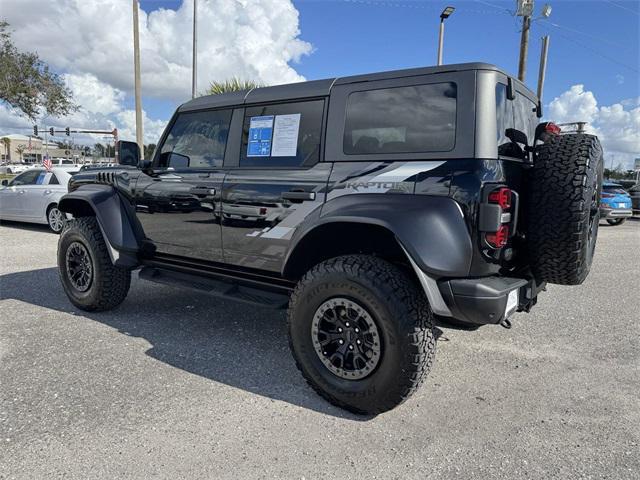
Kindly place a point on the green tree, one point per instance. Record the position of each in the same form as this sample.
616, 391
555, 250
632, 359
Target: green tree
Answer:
26, 83
232, 85
148, 151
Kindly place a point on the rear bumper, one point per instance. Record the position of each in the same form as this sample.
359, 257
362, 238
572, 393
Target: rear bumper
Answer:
486, 300
615, 213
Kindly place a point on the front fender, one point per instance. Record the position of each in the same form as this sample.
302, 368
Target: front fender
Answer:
114, 216
430, 228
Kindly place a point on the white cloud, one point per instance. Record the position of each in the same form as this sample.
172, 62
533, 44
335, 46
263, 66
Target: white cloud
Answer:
90, 42
94, 95
617, 125
252, 39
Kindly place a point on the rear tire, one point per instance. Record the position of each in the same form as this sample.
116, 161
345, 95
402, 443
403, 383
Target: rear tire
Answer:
563, 208
616, 221
88, 277
389, 308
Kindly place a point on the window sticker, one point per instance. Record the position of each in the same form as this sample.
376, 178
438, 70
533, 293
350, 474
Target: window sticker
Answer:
285, 135
260, 132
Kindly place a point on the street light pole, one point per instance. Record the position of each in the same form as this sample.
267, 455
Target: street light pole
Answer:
136, 76
194, 61
443, 16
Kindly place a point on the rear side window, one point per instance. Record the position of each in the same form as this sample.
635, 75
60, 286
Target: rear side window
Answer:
412, 119
525, 116
196, 140
283, 135
54, 180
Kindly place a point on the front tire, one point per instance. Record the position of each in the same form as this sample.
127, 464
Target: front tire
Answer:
361, 333
616, 221
88, 277
55, 219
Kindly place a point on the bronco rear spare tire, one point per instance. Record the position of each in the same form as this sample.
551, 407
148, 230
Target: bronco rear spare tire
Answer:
565, 184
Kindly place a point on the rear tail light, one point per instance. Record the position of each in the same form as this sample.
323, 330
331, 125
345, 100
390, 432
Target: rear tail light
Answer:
263, 210
499, 238
552, 128
502, 197
607, 195
500, 203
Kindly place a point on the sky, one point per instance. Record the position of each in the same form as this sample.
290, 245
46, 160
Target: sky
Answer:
593, 69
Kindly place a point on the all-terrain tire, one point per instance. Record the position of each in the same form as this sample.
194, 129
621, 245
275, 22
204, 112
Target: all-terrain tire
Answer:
399, 310
565, 184
107, 285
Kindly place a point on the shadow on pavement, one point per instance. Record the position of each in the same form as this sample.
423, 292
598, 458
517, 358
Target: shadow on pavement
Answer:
232, 343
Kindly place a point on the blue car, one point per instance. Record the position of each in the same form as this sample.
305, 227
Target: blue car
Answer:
615, 204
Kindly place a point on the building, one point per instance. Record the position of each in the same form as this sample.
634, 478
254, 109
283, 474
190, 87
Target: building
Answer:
15, 148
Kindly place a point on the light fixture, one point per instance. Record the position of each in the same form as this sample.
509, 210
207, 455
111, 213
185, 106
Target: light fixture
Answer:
447, 12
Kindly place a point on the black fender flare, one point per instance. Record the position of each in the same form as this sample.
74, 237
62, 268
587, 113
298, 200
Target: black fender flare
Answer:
431, 229
115, 216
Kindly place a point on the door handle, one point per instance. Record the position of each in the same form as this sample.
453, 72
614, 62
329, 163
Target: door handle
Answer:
22, 191
296, 196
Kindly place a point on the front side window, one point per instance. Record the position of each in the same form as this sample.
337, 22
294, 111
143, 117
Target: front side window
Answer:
283, 135
196, 140
419, 118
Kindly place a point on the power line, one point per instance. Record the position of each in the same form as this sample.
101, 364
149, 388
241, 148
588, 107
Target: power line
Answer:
623, 7
611, 59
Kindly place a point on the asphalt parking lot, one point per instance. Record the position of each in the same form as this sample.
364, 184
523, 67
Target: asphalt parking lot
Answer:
175, 384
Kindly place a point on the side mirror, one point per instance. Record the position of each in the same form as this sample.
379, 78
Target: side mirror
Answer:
128, 153
5, 183
516, 136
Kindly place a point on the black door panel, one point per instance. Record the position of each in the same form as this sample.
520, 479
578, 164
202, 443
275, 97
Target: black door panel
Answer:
259, 216
178, 212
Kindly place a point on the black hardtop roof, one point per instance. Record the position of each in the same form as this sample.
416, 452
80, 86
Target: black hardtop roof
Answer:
318, 88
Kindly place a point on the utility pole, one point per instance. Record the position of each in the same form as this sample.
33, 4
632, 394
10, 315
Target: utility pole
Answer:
525, 9
543, 65
136, 74
194, 61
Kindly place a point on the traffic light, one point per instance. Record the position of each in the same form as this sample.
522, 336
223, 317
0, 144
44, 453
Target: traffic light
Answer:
67, 131
35, 130
51, 131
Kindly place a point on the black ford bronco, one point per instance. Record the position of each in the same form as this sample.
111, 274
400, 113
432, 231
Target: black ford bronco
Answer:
374, 207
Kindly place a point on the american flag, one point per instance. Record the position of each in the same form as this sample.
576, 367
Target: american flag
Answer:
47, 162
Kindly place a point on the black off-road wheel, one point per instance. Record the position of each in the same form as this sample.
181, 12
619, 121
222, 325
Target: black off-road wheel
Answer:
88, 277
616, 221
361, 333
563, 207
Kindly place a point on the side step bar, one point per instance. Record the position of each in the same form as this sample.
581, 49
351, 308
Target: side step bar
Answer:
213, 286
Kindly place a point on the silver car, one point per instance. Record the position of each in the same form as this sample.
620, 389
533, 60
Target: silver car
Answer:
33, 197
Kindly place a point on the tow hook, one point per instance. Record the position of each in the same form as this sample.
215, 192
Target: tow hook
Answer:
506, 323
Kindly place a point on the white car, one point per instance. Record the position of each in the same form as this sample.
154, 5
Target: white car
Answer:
33, 197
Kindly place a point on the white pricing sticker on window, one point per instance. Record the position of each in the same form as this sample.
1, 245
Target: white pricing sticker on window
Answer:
285, 135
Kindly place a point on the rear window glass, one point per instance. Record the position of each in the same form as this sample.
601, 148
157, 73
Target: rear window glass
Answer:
614, 189
419, 118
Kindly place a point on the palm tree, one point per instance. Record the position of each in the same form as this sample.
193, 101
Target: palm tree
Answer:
6, 143
20, 149
231, 85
